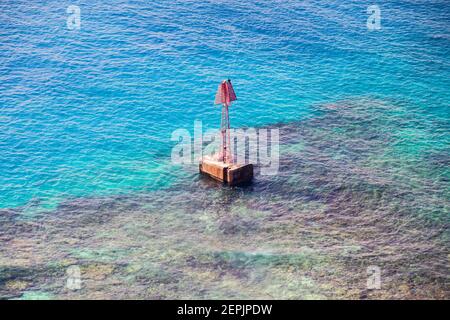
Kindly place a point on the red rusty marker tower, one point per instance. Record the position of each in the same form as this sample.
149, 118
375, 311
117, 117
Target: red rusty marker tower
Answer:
225, 95
222, 167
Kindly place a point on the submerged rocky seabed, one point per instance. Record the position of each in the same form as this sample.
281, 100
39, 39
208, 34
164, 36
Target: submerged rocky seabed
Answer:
363, 183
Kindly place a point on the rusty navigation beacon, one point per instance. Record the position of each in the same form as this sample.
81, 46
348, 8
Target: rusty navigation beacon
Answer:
222, 166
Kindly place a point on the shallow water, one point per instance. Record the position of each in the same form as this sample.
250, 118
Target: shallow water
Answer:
338, 206
85, 172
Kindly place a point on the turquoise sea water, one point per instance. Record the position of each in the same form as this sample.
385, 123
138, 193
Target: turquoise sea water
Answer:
91, 110
86, 118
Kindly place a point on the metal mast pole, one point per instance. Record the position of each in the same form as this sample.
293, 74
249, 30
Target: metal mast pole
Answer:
225, 130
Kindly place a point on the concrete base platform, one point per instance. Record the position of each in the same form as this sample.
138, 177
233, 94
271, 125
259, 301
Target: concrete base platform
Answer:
232, 174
